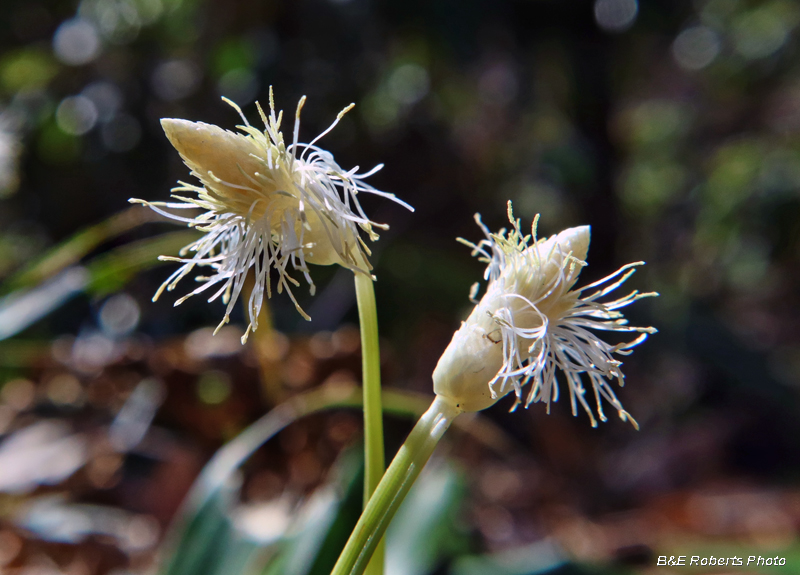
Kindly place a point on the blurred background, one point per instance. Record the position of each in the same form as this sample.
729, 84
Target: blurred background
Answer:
672, 127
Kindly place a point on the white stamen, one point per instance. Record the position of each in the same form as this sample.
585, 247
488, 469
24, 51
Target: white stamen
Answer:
264, 207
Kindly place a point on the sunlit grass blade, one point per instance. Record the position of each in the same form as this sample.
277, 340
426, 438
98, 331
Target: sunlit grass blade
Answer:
110, 271
72, 250
540, 557
205, 540
324, 521
23, 307
424, 531
101, 276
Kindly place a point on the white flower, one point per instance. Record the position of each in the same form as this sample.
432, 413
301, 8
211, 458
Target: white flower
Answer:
530, 324
265, 205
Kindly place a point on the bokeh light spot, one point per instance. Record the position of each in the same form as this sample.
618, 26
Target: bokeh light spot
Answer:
119, 315
76, 115
119, 21
76, 42
696, 47
615, 15
175, 79
64, 389
654, 122
92, 351
18, 393
498, 84
239, 85
214, 387
759, 33
202, 343
649, 186
409, 83
28, 69
105, 96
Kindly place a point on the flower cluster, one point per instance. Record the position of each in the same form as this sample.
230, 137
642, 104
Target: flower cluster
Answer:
530, 324
265, 205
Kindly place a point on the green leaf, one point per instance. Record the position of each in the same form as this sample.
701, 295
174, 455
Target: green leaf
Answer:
337, 510
423, 530
542, 556
204, 542
72, 250
110, 272
103, 275
318, 545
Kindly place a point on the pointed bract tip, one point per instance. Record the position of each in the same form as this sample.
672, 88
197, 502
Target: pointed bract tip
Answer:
576, 240
172, 126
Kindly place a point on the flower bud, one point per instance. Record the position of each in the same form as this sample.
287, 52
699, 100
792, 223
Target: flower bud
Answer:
470, 362
530, 324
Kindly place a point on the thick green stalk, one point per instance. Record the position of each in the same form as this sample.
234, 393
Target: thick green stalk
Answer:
394, 486
374, 458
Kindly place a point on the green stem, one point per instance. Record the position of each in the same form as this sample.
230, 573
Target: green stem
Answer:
394, 486
374, 459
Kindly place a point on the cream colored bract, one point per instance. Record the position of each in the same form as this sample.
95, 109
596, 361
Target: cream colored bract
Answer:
265, 205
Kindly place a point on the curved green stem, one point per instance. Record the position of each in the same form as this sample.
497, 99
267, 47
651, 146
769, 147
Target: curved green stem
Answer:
374, 459
394, 486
